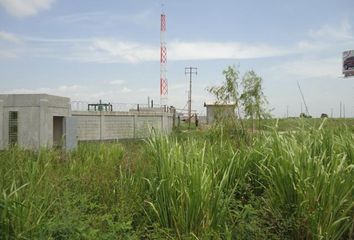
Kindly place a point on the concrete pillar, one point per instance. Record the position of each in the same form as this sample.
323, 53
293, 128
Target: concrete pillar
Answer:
102, 126
162, 123
2, 143
43, 123
69, 109
165, 123
135, 122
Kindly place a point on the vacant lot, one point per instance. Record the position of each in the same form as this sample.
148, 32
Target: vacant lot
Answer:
294, 181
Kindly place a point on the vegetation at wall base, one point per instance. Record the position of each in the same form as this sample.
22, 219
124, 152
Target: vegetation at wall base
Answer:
222, 182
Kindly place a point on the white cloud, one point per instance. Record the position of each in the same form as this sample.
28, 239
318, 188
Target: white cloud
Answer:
9, 37
10, 45
314, 67
126, 90
116, 82
133, 52
222, 50
113, 50
116, 51
125, 51
25, 8
327, 39
329, 32
110, 50
63, 90
7, 54
320, 55
101, 19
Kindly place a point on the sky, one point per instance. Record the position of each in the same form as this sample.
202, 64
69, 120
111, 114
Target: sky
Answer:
90, 50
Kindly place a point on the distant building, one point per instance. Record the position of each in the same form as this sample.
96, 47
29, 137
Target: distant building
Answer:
219, 110
35, 120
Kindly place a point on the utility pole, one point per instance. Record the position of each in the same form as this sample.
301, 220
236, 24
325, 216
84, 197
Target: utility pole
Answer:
340, 109
287, 111
190, 71
343, 110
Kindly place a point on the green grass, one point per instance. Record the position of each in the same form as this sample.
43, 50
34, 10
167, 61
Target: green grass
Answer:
292, 181
289, 124
86, 194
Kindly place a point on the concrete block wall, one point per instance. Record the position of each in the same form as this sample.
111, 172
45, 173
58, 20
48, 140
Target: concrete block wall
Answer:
145, 123
120, 125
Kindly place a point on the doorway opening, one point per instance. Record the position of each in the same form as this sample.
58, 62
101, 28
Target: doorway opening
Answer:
58, 132
13, 128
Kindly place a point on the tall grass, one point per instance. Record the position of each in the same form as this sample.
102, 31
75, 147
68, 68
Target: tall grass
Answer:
218, 184
296, 184
25, 196
190, 190
310, 182
85, 194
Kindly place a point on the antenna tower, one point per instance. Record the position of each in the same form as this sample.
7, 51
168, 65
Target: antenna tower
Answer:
163, 61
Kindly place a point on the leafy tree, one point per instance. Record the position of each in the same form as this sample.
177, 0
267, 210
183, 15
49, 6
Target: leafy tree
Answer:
228, 92
253, 98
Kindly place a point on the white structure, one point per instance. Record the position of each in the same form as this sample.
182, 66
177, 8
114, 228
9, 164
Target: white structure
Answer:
40, 120
219, 110
35, 121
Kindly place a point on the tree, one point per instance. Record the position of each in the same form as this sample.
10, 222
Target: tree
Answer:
253, 98
228, 91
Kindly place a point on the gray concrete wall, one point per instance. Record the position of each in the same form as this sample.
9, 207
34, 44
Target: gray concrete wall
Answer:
35, 118
120, 125
221, 111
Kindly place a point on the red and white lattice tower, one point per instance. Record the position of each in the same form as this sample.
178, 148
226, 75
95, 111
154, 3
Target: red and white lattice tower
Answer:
163, 62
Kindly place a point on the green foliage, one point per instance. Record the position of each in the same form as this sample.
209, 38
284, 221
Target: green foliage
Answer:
310, 182
292, 185
86, 194
228, 92
252, 97
190, 188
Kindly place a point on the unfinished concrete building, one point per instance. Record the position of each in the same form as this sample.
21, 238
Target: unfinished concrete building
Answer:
39, 120
219, 111
36, 120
